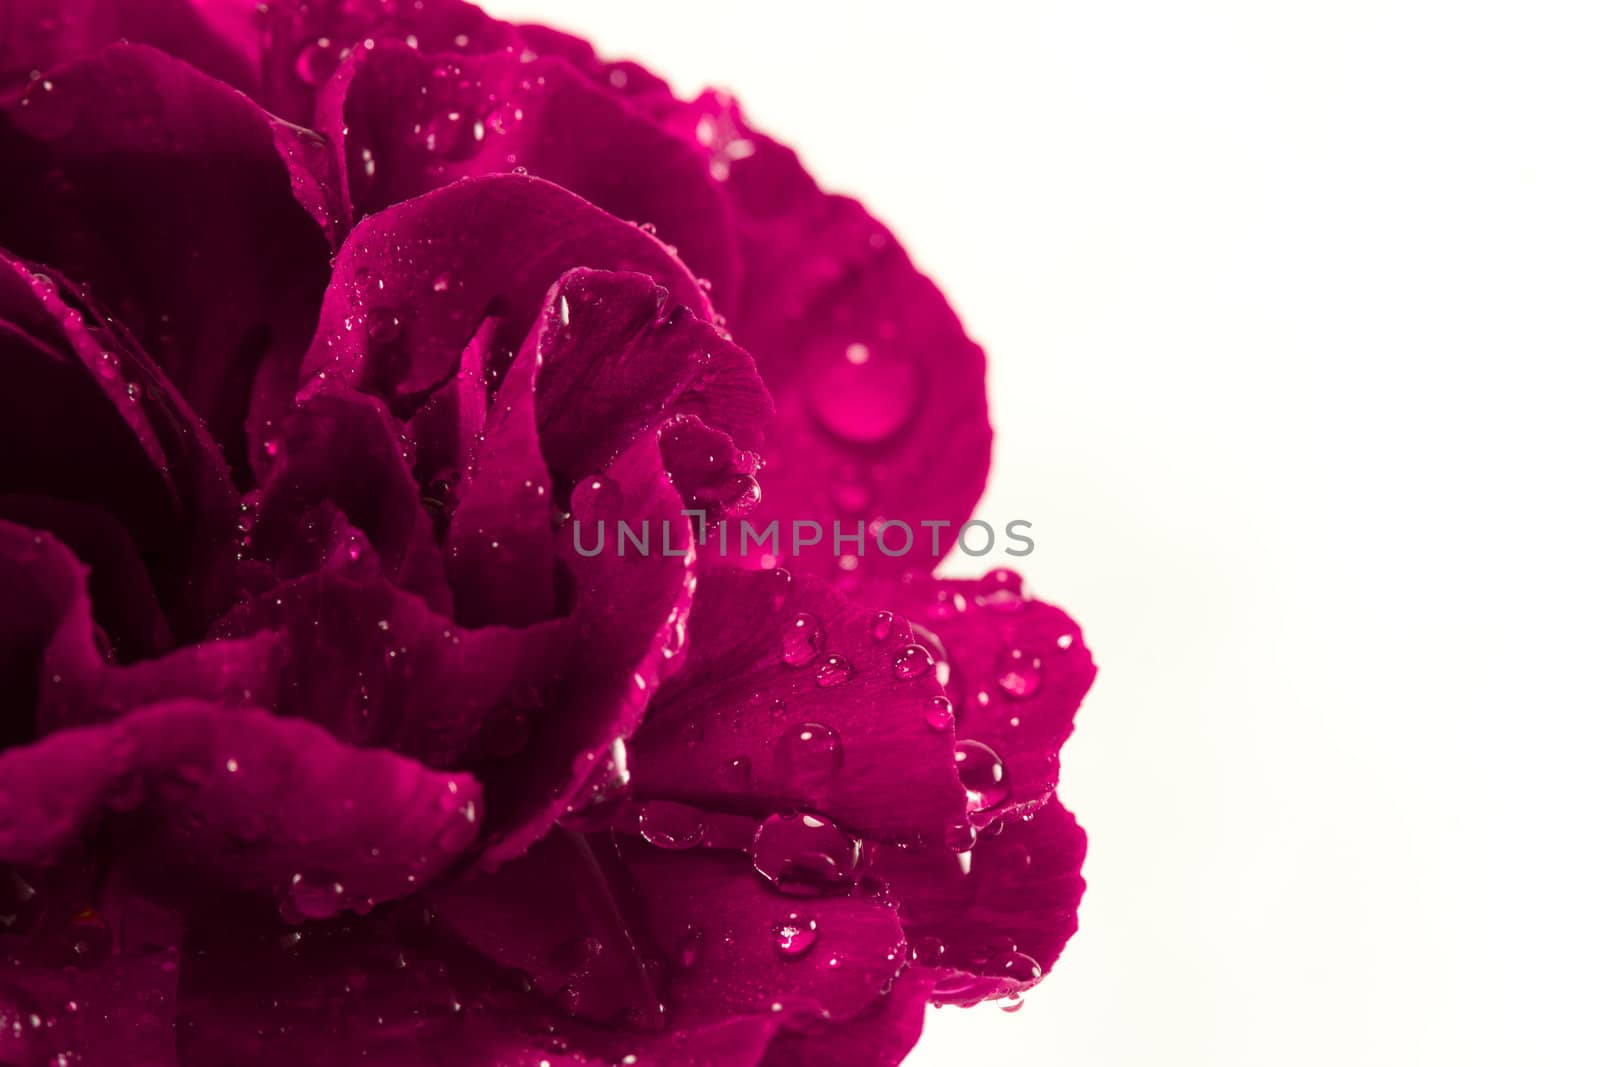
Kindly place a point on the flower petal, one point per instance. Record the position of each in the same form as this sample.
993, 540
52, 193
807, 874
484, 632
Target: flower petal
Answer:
627, 624
412, 283
878, 1037
618, 357
991, 926
1017, 671
243, 799
404, 122
165, 193
793, 697
375, 666
88, 419
341, 448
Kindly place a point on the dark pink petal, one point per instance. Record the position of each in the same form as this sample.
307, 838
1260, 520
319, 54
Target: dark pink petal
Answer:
166, 194
993, 926
404, 123
405, 993
878, 1037
300, 45
1017, 671
342, 448
413, 283
36, 35
880, 394
627, 623
89, 420
618, 357
793, 697
243, 800
555, 916
734, 946
376, 667
79, 984
500, 552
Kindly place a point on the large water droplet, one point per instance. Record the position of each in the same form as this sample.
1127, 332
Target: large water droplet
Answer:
803, 640
805, 855
455, 134
939, 714
982, 774
795, 935
317, 60
1019, 674
863, 395
808, 753
671, 826
1000, 590
834, 670
1018, 966
912, 661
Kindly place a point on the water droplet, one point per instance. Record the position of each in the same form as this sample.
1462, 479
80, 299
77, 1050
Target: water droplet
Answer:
803, 640
454, 133
667, 825
689, 948
736, 772
834, 670
808, 753
863, 395
805, 855
982, 774
1064, 642
441, 283
939, 714
1018, 966
316, 61
314, 897
882, 625
1000, 590
1012, 1005
384, 326
927, 951
1019, 674
912, 661
795, 935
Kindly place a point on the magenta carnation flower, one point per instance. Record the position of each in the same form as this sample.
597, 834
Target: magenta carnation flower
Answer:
330, 333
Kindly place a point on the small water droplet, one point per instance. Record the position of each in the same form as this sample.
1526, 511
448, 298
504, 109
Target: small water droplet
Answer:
927, 951
982, 774
316, 61
689, 948
834, 670
939, 714
803, 640
384, 326
667, 825
1018, 966
805, 855
912, 661
808, 753
315, 897
882, 625
795, 935
1019, 674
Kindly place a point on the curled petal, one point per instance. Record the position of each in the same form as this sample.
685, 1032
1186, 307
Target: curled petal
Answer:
1017, 671
243, 800
629, 613
90, 421
991, 924
165, 192
375, 666
794, 697
413, 283
617, 357
404, 122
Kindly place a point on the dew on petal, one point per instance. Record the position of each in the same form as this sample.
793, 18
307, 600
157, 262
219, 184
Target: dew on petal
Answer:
805, 855
983, 775
863, 396
795, 935
882, 625
834, 670
1000, 591
808, 753
803, 640
939, 714
668, 825
912, 661
1019, 674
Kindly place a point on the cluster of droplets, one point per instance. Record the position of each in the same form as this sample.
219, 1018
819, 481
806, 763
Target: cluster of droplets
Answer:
803, 643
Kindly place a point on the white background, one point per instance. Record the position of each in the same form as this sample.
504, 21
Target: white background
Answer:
1292, 313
